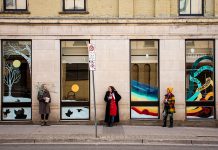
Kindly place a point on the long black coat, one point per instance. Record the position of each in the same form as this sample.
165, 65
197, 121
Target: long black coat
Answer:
107, 112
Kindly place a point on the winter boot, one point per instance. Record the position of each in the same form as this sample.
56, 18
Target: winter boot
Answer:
46, 123
42, 122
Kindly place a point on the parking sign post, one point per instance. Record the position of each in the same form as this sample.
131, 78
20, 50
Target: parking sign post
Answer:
92, 68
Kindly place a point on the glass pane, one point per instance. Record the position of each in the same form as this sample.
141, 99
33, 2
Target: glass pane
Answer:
144, 112
21, 4
16, 113
75, 73
196, 7
79, 4
200, 70
74, 48
10, 4
200, 77
144, 70
69, 4
17, 71
197, 112
184, 7
74, 113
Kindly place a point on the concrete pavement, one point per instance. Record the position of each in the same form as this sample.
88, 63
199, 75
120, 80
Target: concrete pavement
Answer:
115, 134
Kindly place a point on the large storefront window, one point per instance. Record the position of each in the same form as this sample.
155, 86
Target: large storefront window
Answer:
74, 80
144, 79
16, 80
200, 79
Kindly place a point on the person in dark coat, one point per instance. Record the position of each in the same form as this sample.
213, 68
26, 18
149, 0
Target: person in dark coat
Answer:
112, 109
44, 99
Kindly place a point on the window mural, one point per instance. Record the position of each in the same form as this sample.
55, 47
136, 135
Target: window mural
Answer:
16, 101
74, 80
200, 78
144, 79
75, 113
144, 112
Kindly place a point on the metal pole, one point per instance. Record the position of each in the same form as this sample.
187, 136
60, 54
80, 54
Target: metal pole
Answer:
93, 80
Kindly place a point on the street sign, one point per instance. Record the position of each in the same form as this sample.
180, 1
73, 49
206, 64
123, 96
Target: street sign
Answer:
92, 66
91, 47
92, 57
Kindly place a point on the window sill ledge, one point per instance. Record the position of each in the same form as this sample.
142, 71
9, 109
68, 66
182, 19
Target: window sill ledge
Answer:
15, 12
74, 12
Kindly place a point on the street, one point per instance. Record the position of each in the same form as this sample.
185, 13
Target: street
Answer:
104, 146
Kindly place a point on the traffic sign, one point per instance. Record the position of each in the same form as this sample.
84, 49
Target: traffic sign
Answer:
92, 66
92, 57
91, 47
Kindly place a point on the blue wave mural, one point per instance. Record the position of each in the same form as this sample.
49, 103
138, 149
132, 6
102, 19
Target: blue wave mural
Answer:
192, 93
143, 92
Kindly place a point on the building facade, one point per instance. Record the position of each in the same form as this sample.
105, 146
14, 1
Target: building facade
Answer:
142, 47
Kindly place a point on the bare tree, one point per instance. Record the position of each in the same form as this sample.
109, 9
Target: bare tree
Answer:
12, 76
25, 52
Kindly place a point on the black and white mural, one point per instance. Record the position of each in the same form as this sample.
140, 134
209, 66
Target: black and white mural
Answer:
75, 113
16, 79
17, 113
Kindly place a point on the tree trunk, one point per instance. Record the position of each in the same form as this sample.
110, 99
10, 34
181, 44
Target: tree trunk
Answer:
9, 90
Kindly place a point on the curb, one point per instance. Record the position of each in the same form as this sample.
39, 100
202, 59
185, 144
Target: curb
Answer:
108, 141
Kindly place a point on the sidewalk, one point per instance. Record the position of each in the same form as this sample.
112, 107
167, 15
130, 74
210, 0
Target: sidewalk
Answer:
116, 134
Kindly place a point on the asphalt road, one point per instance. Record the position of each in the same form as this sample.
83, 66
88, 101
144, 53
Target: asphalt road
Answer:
103, 146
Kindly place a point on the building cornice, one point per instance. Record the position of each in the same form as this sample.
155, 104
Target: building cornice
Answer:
68, 20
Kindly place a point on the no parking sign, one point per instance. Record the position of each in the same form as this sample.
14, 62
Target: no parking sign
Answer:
92, 67
92, 57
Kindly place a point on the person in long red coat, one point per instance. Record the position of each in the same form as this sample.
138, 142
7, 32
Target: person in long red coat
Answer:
112, 109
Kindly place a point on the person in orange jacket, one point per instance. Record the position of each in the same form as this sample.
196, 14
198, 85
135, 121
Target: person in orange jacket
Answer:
169, 107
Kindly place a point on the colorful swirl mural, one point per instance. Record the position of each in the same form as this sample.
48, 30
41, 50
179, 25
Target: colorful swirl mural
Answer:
144, 112
143, 92
202, 92
200, 112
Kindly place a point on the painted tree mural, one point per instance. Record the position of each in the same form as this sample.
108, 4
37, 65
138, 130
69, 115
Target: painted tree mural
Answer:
15, 49
12, 76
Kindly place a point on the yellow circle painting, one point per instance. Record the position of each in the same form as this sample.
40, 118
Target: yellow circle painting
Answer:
75, 88
16, 63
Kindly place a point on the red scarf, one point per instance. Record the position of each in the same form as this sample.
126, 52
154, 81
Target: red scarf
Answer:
113, 107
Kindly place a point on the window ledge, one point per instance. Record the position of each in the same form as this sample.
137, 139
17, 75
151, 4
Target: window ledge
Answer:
74, 12
15, 12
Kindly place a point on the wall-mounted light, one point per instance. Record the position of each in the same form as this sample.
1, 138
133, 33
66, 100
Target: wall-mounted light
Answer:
192, 50
146, 55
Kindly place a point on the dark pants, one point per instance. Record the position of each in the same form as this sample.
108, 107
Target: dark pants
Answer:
165, 115
44, 116
111, 121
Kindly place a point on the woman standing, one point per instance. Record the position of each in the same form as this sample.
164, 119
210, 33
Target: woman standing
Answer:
169, 107
44, 107
112, 109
